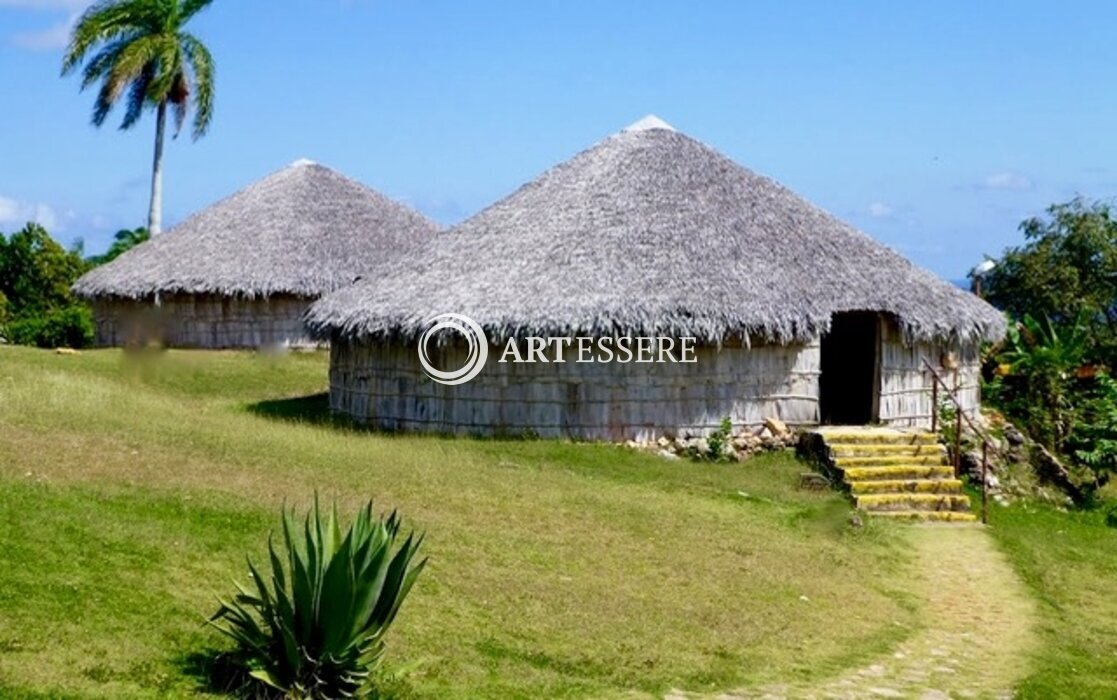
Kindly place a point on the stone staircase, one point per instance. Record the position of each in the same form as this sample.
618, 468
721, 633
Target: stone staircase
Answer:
893, 473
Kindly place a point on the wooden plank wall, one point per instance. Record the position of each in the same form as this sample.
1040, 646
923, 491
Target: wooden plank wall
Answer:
384, 385
905, 383
204, 321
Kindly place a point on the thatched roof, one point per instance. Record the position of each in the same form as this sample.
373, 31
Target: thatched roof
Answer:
652, 232
305, 230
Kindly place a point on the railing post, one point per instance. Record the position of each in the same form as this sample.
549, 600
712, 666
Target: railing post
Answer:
984, 485
934, 404
957, 440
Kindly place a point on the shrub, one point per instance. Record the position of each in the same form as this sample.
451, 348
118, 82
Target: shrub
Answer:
315, 627
69, 326
718, 444
1111, 516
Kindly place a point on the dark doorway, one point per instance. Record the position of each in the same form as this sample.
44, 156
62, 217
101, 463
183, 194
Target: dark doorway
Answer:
848, 385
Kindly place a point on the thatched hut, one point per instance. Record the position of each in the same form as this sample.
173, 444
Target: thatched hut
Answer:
242, 272
794, 314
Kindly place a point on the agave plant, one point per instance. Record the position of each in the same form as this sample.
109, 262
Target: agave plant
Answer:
315, 627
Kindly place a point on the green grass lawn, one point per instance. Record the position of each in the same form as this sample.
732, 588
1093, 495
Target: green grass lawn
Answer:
1069, 560
130, 493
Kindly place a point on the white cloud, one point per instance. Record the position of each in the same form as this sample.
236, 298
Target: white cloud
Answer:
55, 35
1007, 180
880, 210
14, 213
71, 5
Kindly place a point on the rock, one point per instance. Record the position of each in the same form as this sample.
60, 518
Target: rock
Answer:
66, 351
765, 433
663, 441
971, 462
1051, 469
1014, 436
777, 426
632, 444
668, 454
813, 481
855, 521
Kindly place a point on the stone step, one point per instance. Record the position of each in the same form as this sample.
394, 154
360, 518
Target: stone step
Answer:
876, 436
841, 450
887, 460
913, 501
942, 516
898, 472
859, 488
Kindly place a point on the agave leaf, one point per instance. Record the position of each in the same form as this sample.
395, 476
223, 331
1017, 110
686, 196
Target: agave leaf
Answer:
337, 598
325, 613
397, 569
266, 677
368, 590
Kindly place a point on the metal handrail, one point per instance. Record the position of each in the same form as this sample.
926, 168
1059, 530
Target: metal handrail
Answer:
960, 415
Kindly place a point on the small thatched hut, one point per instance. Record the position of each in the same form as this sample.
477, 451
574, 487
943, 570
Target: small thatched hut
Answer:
242, 272
795, 314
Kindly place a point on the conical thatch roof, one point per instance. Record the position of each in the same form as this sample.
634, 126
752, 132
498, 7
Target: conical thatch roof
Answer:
305, 230
652, 232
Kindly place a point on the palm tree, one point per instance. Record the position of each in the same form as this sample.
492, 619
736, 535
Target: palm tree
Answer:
140, 47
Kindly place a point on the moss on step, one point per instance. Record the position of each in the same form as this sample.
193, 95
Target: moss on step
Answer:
898, 471
913, 501
877, 436
885, 460
883, 450
906, 486
943, 516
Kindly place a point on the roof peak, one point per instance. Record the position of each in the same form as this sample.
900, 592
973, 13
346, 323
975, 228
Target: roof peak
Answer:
648, 123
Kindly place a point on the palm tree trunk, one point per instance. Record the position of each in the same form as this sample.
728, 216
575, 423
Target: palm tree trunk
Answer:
155, 212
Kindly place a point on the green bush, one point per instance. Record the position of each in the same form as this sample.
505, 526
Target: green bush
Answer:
315, 627
718, 446
1094, 440
36, 305
69, 327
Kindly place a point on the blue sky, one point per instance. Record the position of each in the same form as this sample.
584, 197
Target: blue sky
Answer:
935, 127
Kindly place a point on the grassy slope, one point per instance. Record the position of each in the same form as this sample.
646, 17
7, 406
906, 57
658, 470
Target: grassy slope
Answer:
1070, 562
128, 496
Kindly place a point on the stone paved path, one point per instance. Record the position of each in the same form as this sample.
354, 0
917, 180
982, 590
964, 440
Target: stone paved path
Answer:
976, 638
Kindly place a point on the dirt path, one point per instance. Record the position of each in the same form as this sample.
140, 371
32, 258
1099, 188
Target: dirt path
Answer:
975, 642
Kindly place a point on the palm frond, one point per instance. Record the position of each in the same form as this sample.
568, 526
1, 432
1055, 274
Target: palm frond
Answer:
141, 54
101, 63
189, 8
103, 104
137, 98
105, 21
202, 67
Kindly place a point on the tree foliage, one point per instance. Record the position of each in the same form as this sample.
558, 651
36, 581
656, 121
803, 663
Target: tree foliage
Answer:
123, 241
1054, 368
36, 306
1039, 367
1065, 271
